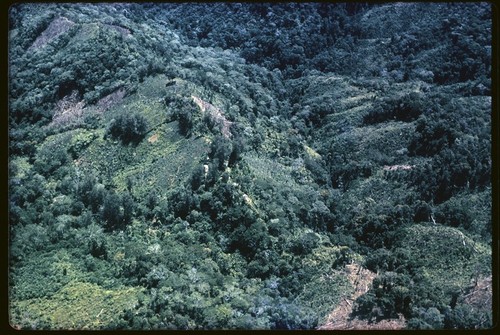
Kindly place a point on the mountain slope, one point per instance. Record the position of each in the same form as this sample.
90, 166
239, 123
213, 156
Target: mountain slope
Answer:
198, 166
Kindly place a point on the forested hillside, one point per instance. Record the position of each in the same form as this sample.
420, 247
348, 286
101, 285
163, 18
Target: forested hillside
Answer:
250, 166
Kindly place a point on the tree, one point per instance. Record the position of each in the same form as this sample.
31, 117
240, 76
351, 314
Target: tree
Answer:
185, 119
423, 212
432, 135
182, 201
128, 128
235, 155
466, 317
96, 242
422, 318
50, 158
128, 208
197, 178
111, 213
219, 152
183, 110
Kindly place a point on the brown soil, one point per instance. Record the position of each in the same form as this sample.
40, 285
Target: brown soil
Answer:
480, 295
153, 138
216, 114
110, 100
57, 27
341, 317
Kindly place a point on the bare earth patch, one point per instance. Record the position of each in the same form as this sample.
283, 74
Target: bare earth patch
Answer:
110, 100
69, 110
398, 167
216, 114
56, 27
341, 319
481, 295
153, 138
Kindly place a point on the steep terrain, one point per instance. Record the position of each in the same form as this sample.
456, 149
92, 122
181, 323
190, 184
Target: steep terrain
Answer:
249, 166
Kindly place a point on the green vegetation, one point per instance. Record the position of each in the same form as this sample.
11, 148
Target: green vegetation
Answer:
128, 128
222, 166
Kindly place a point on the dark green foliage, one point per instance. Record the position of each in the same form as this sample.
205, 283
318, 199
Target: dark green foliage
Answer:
464, 213
111, 213
50, 158
330, 136
432, 137
430, 318
182, 201
466, 317
423, 212
220, 151
85, 187
287, 316
343, 175
97, 246
185, 122
234, 26
450, 174
390, 296
406, 109
69, 73
198, 178
85, 219
128, 128
128, 208
184, 110
236, 152
97, 197
318, 170
22, 139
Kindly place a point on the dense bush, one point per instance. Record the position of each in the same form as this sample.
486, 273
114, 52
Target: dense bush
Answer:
323, 140
407, 108
128, 128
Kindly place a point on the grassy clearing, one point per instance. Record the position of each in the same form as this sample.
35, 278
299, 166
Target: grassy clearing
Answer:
78, 305
450, 259
160, 164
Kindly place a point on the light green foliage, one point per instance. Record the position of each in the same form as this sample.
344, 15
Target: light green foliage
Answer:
81, 140
323, 292
327, 284
263, 148
78, 305
22, 166
159, 161
45, 274
448, 257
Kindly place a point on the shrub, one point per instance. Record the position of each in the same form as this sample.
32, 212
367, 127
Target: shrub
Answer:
432, 135
184, 111
406, 109
111, 213
128, 128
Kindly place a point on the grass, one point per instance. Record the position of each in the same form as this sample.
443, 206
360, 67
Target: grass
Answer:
160, 164
78, 305
328, 285
450, 258
53, 291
